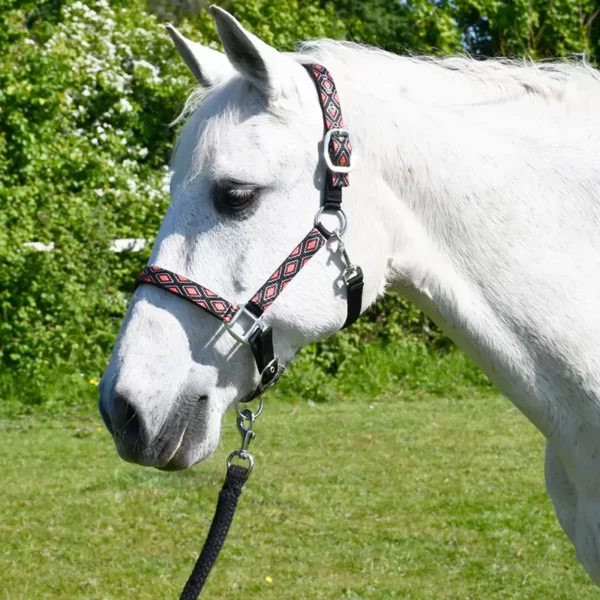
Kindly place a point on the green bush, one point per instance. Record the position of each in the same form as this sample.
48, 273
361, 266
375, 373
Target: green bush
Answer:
84, 142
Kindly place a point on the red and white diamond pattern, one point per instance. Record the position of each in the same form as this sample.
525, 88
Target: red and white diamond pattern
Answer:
195, 293
219, 307
290, 267
340, 149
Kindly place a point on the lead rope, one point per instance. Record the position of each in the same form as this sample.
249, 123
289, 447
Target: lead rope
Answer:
228, 499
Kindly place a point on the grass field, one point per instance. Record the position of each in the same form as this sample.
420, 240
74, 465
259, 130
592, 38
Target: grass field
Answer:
415, 497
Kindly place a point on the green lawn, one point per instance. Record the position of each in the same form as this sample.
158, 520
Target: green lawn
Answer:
409, 497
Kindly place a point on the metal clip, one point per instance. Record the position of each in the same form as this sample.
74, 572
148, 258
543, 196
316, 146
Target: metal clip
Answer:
245, 423
351, 271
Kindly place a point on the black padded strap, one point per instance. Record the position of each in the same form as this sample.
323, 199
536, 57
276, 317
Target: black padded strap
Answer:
333, 197
354, 289
261, 343
228, 499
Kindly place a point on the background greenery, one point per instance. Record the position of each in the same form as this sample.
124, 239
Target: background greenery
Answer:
87, 91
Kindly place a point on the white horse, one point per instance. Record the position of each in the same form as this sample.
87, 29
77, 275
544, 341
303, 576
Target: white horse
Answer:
477, 193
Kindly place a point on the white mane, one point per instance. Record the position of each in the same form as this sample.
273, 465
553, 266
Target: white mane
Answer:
461, 78
456, 83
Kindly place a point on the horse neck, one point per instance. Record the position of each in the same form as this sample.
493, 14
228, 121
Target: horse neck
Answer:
465, 194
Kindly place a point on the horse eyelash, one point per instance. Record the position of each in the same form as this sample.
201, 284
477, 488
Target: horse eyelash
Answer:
241, 192
229, 190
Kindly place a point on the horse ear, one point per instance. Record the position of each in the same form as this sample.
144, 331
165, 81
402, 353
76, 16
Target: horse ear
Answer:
208, 66
258, 62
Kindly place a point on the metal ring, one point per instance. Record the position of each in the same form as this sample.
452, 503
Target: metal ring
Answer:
336, 232
243, 455
239, 410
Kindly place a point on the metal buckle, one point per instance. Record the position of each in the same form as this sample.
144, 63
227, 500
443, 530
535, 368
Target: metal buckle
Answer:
240, 333
327, 155
272, 371
350, 272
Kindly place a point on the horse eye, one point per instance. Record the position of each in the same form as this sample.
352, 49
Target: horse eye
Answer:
234, 197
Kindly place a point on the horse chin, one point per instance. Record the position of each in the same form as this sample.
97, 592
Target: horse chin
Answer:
188, 439
190, 451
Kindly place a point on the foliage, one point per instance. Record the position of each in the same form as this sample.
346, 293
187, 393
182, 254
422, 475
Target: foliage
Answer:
83, 146
536, 28
419, 26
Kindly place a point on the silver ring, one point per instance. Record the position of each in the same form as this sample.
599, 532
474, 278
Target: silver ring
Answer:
239, 409
336, 232
242, 454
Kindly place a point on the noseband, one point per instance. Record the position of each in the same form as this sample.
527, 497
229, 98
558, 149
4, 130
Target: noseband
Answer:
244, 323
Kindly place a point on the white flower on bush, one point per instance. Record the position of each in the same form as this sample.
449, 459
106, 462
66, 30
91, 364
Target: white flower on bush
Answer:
125, 106
166, 180
129, 164
145, 66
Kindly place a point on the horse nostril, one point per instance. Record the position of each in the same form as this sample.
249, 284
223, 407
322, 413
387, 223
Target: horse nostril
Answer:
132, 431
126, 423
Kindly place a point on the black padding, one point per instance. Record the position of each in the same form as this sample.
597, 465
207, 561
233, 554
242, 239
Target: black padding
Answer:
354, 289
254, 309
323, 231
261, 343
333, 196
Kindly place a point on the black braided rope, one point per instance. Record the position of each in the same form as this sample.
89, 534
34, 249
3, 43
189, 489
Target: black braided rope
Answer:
228, 499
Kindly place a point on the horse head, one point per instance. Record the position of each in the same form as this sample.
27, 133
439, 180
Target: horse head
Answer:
249, 175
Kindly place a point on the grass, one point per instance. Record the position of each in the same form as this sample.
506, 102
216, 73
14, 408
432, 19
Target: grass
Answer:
413, 496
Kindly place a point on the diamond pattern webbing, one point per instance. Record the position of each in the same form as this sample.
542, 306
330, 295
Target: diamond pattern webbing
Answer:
189, 290
221, 308
340, 149
288, 269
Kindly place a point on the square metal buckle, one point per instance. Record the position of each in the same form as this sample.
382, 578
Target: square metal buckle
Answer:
326, 143
243, 324
350, 272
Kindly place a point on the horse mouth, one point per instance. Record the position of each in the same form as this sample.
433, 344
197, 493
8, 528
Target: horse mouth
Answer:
174, 445
180, 452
